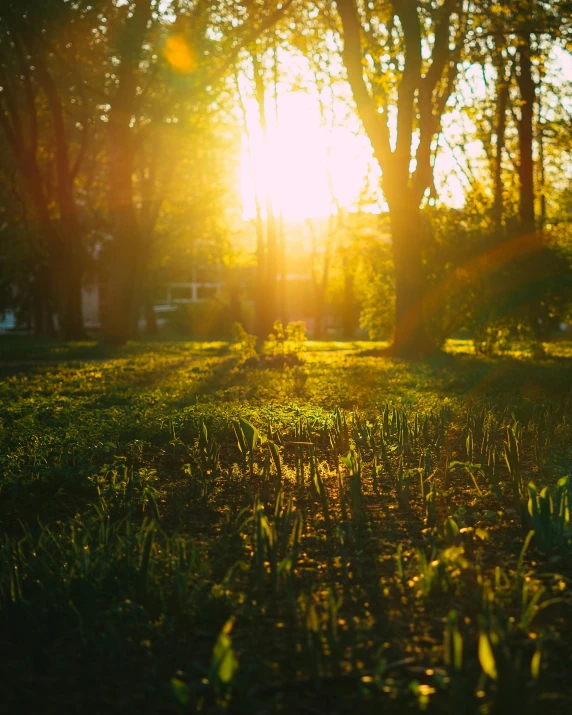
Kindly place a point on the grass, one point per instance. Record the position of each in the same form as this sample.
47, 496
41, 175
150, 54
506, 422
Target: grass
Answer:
185, 532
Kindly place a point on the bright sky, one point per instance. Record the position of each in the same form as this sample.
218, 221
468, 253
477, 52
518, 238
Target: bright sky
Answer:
293, 168
303, 146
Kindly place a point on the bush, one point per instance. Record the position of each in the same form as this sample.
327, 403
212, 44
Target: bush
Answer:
375, 290
244, 343
287, 341
502, 286
523, 295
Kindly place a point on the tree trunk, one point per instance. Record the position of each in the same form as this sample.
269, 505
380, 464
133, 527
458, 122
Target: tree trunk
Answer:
269, 297
123, 269
151, 326
411, 339
502, 105
283, 287
319, 313
320, 283
62, 259
42, 315
527, 89
260, 318
70, 311
68, 263
541, 178
349, 311
420, 101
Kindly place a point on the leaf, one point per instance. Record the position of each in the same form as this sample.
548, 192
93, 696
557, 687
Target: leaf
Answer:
486, 656
535, 664
274, 453
451, 529
250, 433
239, 437
181, 691
351, 461
224, 661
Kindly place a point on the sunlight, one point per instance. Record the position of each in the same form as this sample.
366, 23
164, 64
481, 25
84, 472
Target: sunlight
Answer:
305, 168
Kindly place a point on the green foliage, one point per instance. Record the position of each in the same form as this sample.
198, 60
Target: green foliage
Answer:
550, 518
502, 287
353, 463
247, 436
244, 343
375, 289
289, 341
453, 643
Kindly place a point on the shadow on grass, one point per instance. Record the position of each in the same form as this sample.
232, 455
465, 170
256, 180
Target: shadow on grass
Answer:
475, 376
20, 353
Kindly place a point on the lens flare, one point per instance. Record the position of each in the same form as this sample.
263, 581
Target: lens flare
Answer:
178, 53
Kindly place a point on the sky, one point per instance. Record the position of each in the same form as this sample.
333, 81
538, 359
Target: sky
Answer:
307, 149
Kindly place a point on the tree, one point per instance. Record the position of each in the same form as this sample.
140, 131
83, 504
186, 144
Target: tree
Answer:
398, 67
47, 138
200, 45
266, 222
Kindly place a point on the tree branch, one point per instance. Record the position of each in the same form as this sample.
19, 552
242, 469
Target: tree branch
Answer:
375, 125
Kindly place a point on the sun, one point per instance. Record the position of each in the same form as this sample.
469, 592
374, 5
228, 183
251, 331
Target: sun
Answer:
304, 168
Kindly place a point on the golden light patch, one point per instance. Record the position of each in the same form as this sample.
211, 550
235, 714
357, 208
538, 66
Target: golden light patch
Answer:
178, 53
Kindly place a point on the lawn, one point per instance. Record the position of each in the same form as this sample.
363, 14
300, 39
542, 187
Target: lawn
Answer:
187, 531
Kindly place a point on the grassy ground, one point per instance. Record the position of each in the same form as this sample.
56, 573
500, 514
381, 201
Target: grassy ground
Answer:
184, 531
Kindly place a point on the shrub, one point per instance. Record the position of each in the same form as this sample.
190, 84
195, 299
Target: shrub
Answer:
375, 289
243, 342
289, 341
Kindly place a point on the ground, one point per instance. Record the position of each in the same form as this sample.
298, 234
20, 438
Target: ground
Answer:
188, 530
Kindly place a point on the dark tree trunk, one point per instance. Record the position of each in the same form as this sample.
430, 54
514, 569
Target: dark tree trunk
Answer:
62, 279
151, 327
69, 275
502, 106
283, 286
527, 89
123, 264
320, 283
349, 324
123, 268
67, 259
269, 296
319, 315
420, 102
541, 178
261, 317
411, 338
61, 236
42, 314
